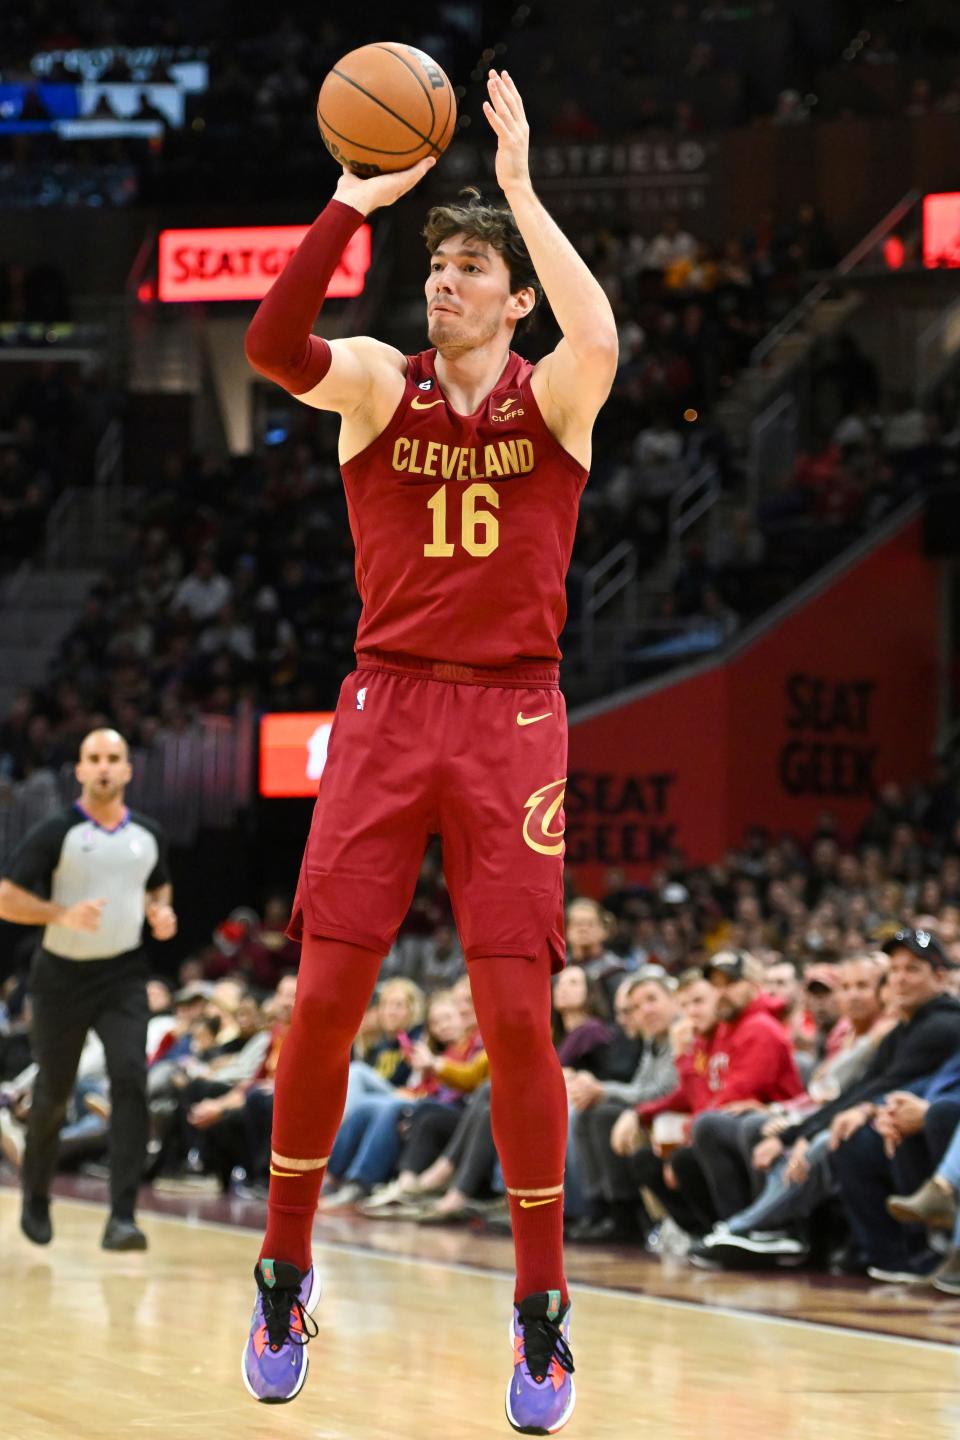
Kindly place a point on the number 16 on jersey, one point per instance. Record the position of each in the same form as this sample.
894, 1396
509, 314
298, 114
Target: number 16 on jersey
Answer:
479, 528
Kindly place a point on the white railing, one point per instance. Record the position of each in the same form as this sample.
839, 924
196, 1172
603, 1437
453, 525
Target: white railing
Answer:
798, 315
612, 575
772, 445
936, 348
107, 464
692, 500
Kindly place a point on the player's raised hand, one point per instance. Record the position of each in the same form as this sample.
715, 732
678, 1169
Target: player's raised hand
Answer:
504, 111
379, 190
85, 915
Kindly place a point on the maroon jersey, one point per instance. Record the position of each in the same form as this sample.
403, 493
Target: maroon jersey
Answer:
463, 526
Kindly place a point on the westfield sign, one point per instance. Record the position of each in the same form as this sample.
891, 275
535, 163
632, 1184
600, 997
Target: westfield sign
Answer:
242, 262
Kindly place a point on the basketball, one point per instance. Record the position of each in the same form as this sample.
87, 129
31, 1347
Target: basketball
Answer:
384, 107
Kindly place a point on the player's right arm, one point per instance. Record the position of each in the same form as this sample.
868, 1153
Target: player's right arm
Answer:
339, 375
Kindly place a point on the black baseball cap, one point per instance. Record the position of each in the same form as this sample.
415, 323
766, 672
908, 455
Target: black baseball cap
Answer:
736, 965
920, 943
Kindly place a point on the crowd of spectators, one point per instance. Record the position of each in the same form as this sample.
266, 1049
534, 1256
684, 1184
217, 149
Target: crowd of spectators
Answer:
52, 416
234, 581
762, 1059
657, 69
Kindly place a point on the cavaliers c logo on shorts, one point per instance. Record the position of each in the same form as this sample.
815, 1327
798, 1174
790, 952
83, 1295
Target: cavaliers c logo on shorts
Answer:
542, 809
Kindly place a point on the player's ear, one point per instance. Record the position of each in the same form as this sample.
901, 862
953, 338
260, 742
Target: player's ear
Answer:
523, 301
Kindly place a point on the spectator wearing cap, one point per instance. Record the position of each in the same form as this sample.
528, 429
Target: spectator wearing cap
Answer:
904, 1135
926, 1038
820, 984
751, 1066
607, 1178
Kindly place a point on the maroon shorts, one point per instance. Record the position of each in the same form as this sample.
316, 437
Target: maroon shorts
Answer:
412, 754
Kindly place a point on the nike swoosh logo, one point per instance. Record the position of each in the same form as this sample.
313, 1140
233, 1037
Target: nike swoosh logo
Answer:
287, 1174
532, 1204
417, 404
532, 719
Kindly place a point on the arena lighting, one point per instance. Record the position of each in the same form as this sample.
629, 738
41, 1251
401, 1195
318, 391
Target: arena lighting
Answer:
293, 752
241, 262
941, 230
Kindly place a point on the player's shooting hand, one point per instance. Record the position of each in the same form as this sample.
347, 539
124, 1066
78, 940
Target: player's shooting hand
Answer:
379, 190
85, 915
162, 920
504, 111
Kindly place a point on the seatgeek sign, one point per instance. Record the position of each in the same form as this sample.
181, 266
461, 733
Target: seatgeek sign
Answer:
241, 262
293, 752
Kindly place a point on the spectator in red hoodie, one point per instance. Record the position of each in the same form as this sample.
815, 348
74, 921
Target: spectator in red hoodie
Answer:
693, 1038
750, 1065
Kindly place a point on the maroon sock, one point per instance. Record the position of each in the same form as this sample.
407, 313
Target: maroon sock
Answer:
334, 987
528, 1110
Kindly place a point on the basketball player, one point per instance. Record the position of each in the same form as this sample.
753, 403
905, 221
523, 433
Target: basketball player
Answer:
463, 469
104, 869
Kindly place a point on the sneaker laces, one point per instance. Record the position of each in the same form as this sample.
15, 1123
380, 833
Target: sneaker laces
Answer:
279, 1304
543, 1341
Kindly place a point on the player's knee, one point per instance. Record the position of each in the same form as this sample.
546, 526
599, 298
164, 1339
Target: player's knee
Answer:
329, 1014
519, 1031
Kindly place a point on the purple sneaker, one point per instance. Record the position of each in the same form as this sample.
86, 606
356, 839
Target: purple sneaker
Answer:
541, 1395
275, 1360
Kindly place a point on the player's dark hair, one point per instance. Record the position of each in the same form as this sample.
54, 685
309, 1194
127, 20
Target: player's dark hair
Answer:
471, 215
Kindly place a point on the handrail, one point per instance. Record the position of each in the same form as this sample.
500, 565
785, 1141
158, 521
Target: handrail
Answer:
813, 297
763, 422
706, 480
139, 265
54, 537
599, 586
926, 341
106, 464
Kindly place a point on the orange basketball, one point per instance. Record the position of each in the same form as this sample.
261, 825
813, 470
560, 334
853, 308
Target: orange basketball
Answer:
384, 107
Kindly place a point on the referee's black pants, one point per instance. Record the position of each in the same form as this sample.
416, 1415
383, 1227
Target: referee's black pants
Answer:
71, 997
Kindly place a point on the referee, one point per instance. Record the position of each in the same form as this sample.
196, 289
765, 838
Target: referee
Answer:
105, 870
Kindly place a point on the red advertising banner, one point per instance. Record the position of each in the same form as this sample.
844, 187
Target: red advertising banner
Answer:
941, 229
242, 262
293, 752
815, 713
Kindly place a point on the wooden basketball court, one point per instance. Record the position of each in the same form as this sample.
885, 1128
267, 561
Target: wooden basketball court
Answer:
95, 1346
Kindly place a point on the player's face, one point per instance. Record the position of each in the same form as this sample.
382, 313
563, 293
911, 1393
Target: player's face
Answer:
103, 769
468, 294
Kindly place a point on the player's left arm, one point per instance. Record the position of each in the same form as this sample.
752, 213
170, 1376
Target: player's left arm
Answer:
572, 382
